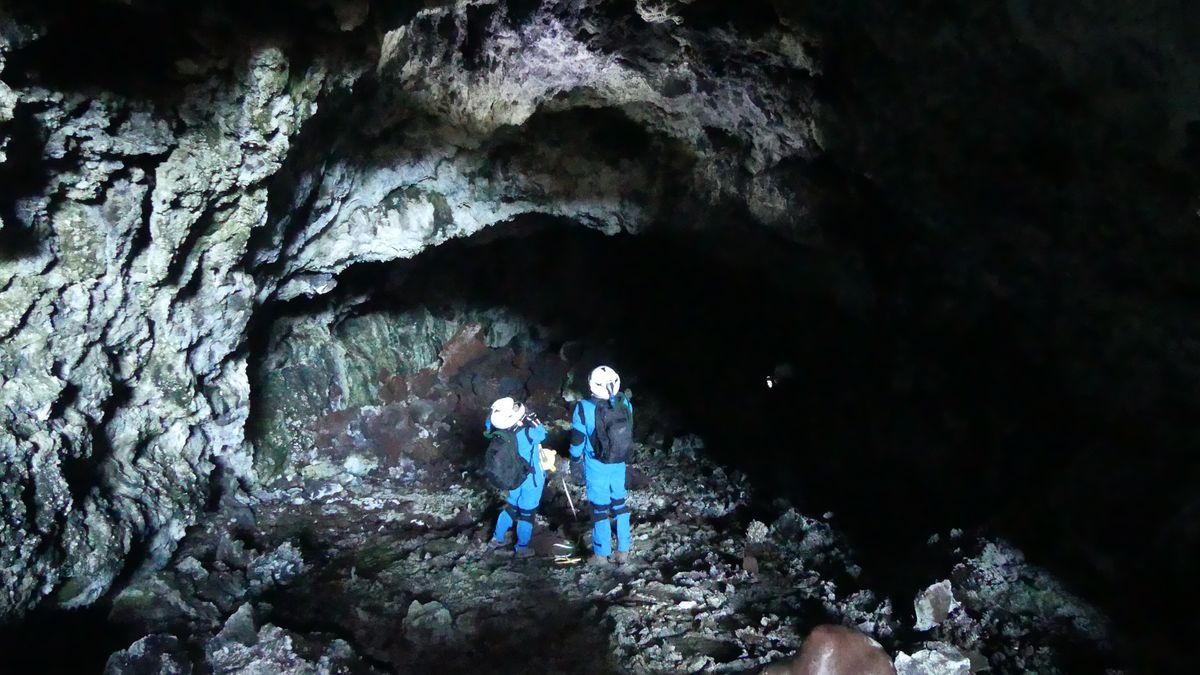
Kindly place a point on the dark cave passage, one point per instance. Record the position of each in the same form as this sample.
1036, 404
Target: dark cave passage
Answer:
900, 430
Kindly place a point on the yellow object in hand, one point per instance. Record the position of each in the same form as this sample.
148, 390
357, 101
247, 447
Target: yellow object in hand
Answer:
546, 458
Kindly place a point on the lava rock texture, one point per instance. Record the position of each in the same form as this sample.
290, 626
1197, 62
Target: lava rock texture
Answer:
146, 224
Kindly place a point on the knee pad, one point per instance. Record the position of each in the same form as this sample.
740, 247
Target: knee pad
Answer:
619, 507
526, 515
600, 513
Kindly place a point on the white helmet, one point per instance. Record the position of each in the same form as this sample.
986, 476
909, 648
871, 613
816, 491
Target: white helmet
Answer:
506, 413
604, 382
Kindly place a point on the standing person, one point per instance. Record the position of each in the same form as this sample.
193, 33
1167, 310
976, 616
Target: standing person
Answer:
602, 438
512, 464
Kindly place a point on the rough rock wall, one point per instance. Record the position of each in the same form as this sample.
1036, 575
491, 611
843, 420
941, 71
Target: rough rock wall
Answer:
329, 390
148, 227
479, 114
123, 309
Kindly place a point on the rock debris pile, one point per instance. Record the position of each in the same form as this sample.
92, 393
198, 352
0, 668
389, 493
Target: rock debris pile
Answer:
378, 566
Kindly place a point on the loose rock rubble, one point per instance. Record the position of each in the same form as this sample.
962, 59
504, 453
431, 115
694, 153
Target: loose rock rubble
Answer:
943, 661
398, 571
934, 605
241, 647
361, 561
999, 611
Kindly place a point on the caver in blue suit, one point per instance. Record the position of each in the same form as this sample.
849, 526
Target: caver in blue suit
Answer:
523, 501
605, 482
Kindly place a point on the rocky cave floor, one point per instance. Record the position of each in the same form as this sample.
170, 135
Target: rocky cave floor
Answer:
354, 565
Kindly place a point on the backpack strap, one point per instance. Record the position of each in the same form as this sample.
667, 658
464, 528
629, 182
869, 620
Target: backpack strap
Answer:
581, 413
624, 400
493, 433
595, 423
532, 454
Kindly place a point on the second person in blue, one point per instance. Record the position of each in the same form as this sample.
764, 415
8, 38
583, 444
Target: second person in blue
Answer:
523, 501
602, 438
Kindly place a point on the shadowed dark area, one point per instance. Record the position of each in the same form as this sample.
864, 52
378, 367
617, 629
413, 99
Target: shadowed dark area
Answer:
1030, 216
900, 427
92, 639
127, 51
153, 50
24, 172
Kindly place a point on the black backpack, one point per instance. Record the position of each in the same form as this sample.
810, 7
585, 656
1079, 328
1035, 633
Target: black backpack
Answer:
612, 440
502, 464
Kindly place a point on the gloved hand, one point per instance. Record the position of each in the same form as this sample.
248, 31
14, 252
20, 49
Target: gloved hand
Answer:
547, 456
577, 472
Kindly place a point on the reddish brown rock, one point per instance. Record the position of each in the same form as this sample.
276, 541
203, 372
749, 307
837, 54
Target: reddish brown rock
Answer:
464, 347
835, 650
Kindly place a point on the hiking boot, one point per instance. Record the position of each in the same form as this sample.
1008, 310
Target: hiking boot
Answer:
524, 553
620, 557
497, 546
598, 561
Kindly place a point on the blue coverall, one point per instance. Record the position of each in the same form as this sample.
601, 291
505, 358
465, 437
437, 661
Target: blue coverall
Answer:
524, 500
605, 482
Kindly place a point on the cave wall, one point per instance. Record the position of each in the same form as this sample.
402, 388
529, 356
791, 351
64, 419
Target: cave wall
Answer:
365, 386
254, 152
123, 313
478, 114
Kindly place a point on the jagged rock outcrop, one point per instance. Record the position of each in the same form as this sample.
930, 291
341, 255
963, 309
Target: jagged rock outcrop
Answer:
148, 231
123, 316
241, 647
373, 386
550, 111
